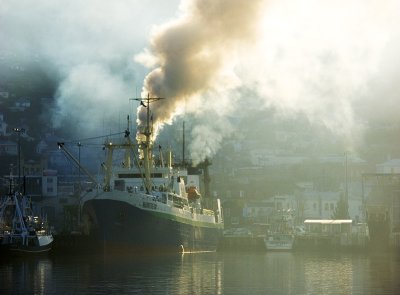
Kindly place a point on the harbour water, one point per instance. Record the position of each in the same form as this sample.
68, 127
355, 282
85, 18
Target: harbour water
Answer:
203, 273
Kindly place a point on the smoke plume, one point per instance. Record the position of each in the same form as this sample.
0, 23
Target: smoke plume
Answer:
191, 52
88, 46
333, 62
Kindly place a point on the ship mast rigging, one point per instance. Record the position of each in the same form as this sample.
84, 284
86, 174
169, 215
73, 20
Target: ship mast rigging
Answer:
146, 145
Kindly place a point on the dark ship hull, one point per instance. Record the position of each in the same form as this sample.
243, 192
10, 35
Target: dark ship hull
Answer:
17, 248
119, 226
35, 245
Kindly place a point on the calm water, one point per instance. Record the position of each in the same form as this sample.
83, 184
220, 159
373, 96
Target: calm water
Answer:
204, 273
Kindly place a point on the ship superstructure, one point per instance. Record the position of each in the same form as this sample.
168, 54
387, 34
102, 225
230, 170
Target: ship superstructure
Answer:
145, 204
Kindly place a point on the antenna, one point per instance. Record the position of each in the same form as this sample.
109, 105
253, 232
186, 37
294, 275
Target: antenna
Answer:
145, 102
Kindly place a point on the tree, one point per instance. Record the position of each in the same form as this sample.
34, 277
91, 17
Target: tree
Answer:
342, 209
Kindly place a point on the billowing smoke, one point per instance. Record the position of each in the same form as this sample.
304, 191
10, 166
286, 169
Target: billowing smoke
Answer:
331, 61
191, 52
334, 62
89, 47
328, 61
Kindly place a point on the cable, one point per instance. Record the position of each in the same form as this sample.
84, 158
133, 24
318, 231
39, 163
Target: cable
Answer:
91, 138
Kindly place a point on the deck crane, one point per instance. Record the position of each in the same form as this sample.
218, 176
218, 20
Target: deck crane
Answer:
61, 146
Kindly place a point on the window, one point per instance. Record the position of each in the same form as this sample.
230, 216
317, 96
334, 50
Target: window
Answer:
119, 185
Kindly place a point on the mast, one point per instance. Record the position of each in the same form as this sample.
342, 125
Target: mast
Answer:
183, 145
146, 145
346, 192
127, 158
19, 131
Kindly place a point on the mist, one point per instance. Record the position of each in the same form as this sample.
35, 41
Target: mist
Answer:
333, 62
88, 47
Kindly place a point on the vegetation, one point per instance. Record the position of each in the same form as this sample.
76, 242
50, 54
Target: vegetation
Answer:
342, 209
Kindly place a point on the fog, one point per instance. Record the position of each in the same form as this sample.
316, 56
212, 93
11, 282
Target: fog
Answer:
332, 62
89, 47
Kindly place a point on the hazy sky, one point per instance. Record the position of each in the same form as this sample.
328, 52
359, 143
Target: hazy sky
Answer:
333, 61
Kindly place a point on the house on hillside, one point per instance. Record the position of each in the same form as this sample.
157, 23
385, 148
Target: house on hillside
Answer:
389, 167
21, 104
8, 148
317, 204
3, 125
4, 94
258, 211
48, 144
262, 211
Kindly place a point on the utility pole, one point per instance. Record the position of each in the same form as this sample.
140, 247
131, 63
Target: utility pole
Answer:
79, 167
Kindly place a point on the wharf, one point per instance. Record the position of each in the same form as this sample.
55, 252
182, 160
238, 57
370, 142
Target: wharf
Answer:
331, 243
302, 244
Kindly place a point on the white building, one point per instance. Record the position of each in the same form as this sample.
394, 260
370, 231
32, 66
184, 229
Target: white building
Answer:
4, 94
389, 167
8, 147
315, 204
49, 183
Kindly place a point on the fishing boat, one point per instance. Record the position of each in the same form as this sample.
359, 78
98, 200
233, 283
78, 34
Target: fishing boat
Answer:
148, 204
20, 230
279, 241
281, 234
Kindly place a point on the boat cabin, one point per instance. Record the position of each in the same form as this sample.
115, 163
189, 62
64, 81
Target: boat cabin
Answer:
328, 226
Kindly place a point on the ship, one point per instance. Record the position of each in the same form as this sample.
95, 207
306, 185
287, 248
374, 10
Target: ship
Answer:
281, 234
21, 231
146, 203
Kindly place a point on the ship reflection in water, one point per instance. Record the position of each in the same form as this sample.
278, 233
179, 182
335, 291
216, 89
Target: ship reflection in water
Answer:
203, 273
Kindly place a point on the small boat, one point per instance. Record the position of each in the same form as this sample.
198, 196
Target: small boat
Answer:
20, 230
281, 234
279, 241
